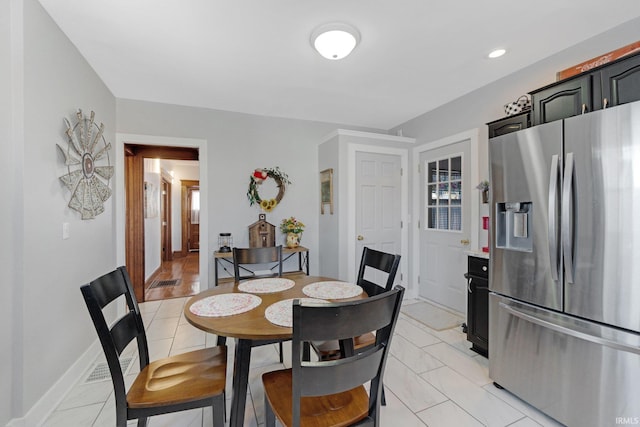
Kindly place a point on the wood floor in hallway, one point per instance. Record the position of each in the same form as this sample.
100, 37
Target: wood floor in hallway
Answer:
187, 269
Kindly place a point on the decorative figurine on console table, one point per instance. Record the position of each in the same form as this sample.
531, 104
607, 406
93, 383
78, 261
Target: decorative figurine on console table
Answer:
261, 233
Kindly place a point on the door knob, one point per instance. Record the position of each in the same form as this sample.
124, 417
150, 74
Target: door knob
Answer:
464, 242
360, 237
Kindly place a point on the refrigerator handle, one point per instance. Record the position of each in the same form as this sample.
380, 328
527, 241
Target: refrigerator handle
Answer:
568, 331
567, 223
553, 217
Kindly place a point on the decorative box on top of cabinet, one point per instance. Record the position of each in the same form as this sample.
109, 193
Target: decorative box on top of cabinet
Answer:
612, 84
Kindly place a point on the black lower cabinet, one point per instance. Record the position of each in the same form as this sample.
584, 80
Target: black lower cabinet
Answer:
478, 304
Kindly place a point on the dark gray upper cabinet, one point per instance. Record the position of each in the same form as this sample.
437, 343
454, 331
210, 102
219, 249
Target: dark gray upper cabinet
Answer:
509, 124
620, 82
561, 100
612, 84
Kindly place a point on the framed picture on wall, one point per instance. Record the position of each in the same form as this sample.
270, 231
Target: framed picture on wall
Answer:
151, 200
326, 190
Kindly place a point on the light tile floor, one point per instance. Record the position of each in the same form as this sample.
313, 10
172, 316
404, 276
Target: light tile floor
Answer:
431, 379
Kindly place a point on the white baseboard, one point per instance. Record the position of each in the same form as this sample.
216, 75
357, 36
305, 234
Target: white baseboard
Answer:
17, 422
39, 412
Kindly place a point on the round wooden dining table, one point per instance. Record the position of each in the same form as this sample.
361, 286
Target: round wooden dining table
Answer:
250, 329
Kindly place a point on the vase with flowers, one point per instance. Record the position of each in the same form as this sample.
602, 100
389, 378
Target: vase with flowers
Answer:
293, 229
484, 188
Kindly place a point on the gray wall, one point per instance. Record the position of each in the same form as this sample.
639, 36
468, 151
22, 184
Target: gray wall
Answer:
487, 103
50, 325
329, 252
237, 144
8, 217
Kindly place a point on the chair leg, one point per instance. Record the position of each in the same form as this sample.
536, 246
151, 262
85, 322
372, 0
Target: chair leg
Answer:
383, 400
306, 351
281, 353
219, 412
224, 404
142, 422
269, 416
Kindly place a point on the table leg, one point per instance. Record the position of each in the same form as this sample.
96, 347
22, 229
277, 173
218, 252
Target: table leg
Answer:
240, 382
215, 263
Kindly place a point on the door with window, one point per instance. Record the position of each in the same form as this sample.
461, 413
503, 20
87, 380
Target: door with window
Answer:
444, 224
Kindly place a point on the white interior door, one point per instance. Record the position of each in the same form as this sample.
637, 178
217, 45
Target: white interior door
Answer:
378, 209
445, 203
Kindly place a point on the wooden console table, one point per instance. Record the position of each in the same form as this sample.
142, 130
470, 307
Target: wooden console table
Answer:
225, 259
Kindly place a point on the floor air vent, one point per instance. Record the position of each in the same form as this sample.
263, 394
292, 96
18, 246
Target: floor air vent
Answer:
164, 283
101, 370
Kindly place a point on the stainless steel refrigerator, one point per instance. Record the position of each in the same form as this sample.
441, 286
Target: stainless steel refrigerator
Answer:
564, 309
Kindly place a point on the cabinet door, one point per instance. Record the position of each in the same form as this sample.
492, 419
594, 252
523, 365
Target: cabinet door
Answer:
478, 304
562, 100
508, 125
621, 82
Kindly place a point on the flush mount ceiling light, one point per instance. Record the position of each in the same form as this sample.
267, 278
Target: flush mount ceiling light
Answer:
497, 53
335, 41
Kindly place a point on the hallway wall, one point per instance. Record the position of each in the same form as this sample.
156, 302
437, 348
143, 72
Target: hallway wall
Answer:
50, 326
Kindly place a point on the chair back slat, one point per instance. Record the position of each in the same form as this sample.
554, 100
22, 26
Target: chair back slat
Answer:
359, 317
256, 255
124, 331
246, 256
381, 261
109, 287
343, 374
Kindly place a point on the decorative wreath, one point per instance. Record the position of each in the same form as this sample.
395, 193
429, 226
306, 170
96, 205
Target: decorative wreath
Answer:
257, 178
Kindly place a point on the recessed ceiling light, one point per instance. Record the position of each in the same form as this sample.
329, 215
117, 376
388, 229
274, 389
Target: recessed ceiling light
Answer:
335, 41
497, 53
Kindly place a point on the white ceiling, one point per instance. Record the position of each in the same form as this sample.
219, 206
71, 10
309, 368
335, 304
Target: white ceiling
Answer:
254, 56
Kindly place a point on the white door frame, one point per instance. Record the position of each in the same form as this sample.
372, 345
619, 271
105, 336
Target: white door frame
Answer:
120, 216
352, 149
474, 138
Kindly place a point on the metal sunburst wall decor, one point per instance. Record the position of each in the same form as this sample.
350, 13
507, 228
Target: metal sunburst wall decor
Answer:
88, 165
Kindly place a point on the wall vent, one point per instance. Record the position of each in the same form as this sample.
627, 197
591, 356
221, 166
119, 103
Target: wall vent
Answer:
101, 370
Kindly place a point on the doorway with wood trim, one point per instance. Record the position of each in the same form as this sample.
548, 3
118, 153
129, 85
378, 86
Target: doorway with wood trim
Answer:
156, 280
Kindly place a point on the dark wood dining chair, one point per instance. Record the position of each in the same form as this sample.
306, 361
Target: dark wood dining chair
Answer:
372, 261
185, 381
258, 256
331, 393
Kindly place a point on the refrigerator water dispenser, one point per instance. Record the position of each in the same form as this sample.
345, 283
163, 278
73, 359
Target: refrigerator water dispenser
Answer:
513, 226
